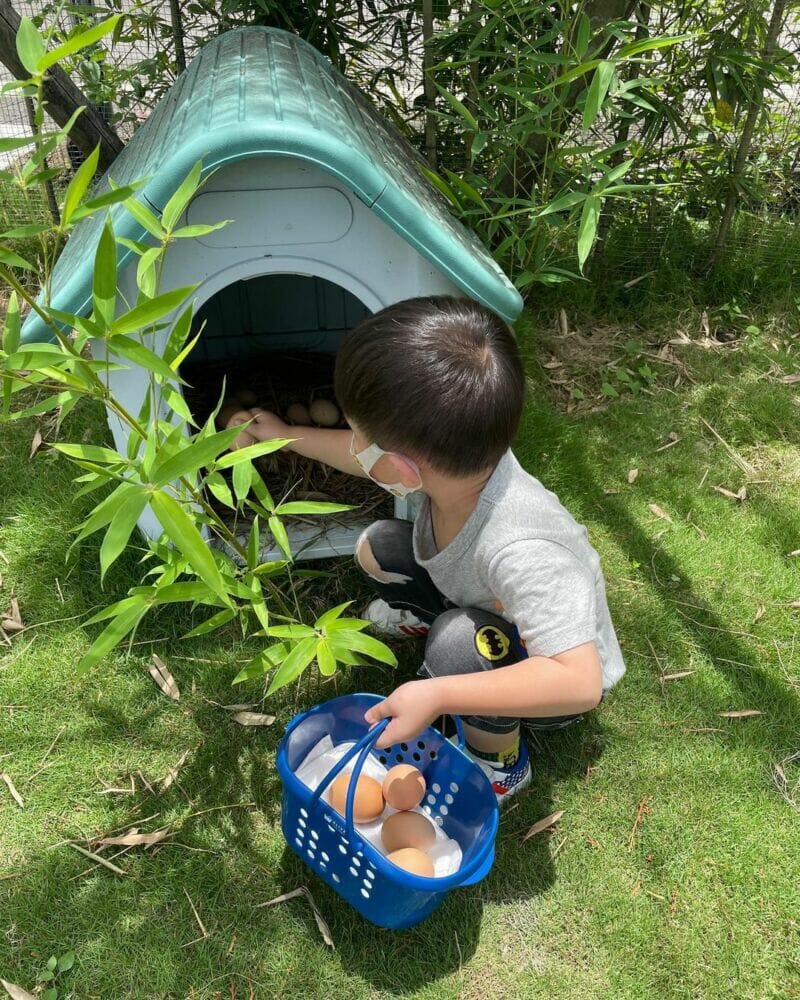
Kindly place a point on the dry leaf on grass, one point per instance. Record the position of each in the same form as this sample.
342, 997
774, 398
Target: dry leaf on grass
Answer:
793, 604
741, 495
14, 793
36, 444
563, 323
302, 891
252, 719
17, 992
679, 675
12, 619
543, 824
162, 676
610, 492
791, 379
672, 439
552, 364
96, 858
175, 770
632, 474
760, 612
794, 552
134, 839
655, 509
742, 713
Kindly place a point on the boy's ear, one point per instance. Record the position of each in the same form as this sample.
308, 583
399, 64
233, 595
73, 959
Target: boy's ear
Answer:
407, 474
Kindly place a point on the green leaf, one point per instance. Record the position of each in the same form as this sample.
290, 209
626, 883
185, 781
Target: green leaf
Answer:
596, 94
280, 536
220, 489
45, 976
135, 351
182, 196
325, 659
30, 47
119, 531
588, 228
112, 635
180, 529
91, 453
192, 457
181, 329
79, 41
51, 993
201, 229
144, 314
146, 219
66, 961
251, 451
331, 615
186, 590
104, 511
103, 201
133, 601
459, 107
263, 662
214, 622
242, 478
104, 286
253, 547
294, 631
79, 185
363, 644
311, 507
347, 624
565, 201
14, 260
52, 962
146, 277
648, 44
11, 325
294, 664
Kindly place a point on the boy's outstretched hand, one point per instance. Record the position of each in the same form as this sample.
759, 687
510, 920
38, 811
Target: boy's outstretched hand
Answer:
412, 707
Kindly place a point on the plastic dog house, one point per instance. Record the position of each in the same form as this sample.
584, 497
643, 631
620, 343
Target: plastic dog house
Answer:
333, 218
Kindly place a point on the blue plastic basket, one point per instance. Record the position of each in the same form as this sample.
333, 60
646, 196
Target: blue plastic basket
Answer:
459, 798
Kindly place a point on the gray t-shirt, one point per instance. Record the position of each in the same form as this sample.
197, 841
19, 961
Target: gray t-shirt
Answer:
522, 555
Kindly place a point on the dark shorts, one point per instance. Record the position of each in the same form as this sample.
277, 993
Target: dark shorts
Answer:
460, 640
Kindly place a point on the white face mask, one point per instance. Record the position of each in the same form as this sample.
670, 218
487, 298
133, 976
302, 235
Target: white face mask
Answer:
367, 458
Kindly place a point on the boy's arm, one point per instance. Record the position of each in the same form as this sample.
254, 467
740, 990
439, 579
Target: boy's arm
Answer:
541, 686
322, 444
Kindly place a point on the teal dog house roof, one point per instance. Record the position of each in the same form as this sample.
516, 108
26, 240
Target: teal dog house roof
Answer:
257, 92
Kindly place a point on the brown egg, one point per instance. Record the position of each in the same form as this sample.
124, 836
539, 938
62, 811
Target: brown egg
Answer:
407, 829
412, 860
247, 397
368, 802
324, 412
404, 787
298, 414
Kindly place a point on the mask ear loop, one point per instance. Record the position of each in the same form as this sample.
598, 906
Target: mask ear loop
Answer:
373, 453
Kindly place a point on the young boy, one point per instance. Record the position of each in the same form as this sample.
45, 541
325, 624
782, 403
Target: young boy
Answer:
494, 571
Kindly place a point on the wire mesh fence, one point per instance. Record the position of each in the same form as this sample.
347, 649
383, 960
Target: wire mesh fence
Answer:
384, 48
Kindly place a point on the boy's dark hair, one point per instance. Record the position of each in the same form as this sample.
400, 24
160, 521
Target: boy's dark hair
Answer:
435, 377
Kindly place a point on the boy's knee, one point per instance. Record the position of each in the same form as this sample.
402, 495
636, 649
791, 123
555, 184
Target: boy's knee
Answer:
465, 640
375, 546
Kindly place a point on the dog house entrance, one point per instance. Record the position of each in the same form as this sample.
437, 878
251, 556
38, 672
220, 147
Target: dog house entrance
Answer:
272, 341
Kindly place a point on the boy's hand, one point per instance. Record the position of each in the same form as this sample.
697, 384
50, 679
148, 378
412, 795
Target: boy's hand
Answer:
412, 707
268, 425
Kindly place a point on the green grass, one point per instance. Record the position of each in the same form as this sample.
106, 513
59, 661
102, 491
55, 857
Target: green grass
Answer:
701, 900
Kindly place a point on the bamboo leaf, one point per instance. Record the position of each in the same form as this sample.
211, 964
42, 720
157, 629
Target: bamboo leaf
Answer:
294, 664
104, 284
77, 42
588, 229
261, 664
361, 643
181, 197
211, 624
325, 659
79, 185
280, 536
147, 313
197, 455
14, 260
181, 530
146, 219
311, 507
119, 531
331, 615
92, 453
251, 451
30, 47
112, 635
596, 94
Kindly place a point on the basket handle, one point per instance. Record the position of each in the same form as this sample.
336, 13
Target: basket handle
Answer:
365, 744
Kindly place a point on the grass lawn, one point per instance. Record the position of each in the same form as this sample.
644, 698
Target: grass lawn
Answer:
673, 871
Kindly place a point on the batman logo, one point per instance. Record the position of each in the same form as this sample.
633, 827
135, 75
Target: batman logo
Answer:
491, 643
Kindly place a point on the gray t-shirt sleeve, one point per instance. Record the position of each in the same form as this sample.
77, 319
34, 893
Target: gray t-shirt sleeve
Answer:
546, 592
